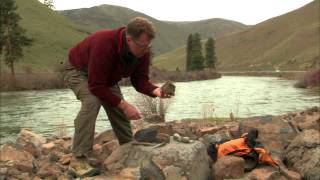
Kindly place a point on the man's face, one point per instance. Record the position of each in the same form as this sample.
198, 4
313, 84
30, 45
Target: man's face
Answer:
139, 47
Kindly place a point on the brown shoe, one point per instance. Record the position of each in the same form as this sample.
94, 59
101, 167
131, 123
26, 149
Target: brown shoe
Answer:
81, 168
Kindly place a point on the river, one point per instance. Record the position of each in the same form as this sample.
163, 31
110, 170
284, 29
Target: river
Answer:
44, 111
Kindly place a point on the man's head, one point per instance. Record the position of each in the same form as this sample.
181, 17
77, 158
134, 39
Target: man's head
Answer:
140, 32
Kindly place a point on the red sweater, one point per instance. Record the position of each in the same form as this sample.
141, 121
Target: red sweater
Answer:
104, 56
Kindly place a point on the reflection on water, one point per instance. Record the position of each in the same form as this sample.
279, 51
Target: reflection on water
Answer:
43, 111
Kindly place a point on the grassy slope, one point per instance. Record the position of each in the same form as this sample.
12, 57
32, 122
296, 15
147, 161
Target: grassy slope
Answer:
170, 35
53, 35
215, 27
288, 42
171, 60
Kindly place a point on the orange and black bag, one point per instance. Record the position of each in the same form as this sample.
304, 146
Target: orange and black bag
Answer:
246, 146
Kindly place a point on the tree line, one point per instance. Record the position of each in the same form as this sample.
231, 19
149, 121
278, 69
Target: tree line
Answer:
195, 60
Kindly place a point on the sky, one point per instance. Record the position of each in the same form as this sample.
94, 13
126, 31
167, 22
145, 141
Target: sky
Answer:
248, 12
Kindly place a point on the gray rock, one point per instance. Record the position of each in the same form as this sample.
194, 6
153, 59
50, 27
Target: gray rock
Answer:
190, 158
215, 138
185, 139
307, 122
275, 140
172, 173
302, 153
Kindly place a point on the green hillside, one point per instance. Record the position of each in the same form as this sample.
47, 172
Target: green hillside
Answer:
53, 35
170, 35
286, 42
171, 60
215, 27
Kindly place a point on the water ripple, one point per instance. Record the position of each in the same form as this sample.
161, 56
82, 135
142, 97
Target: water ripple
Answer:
43, 111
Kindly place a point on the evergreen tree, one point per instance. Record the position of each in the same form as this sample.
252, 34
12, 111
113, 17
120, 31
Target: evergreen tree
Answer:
12, 37
197, 59
210, 58
1, 28
189, 52
49, 3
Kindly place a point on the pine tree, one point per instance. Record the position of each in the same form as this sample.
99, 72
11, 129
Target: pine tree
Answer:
12, 37
1, 27
189, 52
49, 3
197, 59
210, 57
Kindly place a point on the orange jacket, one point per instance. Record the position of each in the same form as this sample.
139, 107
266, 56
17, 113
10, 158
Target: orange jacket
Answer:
239, 147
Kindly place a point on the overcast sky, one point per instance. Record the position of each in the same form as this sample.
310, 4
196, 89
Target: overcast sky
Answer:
249, 12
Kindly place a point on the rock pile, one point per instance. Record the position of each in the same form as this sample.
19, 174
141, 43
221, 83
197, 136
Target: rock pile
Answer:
177, 152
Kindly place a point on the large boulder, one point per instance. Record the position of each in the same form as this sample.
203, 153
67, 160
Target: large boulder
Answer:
274, 133
171, 161
26, 136
228, 167
14, 157
104, 137
303, 154
305, 122
190, 160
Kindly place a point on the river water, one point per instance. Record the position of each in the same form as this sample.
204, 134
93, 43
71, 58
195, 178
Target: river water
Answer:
44, 111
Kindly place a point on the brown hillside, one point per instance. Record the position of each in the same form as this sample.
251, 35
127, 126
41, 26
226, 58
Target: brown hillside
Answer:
286, 42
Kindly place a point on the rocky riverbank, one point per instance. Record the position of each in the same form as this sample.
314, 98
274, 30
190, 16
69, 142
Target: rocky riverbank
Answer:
176, 151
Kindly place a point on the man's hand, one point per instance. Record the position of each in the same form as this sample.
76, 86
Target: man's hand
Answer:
159, 93
130, 111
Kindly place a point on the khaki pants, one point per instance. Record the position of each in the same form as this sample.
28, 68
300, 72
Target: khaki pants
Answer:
90, 106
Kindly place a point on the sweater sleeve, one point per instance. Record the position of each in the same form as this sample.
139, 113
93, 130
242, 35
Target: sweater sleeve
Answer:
140, 77
99, 68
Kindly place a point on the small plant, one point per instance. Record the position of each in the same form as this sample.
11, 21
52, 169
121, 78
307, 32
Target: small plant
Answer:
207, 112
234, 114
61, 130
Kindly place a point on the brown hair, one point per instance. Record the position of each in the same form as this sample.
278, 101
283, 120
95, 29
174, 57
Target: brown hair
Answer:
140, 25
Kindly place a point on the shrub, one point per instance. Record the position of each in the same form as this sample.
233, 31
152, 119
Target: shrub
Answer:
309, 79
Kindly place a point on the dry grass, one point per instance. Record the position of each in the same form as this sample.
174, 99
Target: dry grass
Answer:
207, 112
160, 75
38, 81
31, 81
61, 130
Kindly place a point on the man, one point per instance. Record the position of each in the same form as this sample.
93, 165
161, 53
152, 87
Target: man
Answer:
96, 65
